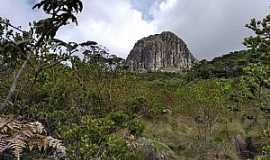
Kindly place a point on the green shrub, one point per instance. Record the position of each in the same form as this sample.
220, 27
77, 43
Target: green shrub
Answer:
137, 105
135, 127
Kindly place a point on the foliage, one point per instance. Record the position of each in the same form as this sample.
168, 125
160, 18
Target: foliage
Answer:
17, 135
98, 138
61, 12
227, 66
259, 44
259, 76
266, 153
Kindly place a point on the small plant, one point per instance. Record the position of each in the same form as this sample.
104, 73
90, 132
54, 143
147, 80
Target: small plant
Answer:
138, 105
265, 153
135, 127
16, 136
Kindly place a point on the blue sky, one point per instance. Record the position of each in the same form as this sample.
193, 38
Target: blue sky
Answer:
210, 27
30, 2
144, 6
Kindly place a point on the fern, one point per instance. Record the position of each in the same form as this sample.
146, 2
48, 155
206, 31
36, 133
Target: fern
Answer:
15, 136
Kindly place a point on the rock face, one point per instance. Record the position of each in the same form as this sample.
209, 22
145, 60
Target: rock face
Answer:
161, 52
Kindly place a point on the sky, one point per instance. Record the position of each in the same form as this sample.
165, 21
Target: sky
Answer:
209, 27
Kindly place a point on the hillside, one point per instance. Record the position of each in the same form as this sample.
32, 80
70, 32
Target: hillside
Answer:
76, 101
226, 66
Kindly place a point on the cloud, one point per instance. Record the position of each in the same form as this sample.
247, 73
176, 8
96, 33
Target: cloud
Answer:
144, 8
19, 12
115, 24
210, 27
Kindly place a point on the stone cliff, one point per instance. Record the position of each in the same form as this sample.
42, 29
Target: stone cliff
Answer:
161, 52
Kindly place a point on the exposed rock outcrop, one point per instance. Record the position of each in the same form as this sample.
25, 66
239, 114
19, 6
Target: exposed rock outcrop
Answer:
161, 52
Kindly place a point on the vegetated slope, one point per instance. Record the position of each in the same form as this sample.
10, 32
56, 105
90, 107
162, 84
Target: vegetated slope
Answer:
228, 65
142, 115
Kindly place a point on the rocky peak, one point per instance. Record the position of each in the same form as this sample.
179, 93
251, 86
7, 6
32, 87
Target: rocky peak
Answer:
160, 52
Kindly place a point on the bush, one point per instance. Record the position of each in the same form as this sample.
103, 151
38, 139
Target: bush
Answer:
135, 127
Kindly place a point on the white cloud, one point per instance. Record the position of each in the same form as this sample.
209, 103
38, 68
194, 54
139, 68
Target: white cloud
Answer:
211, 27
167, 5
19, 12
114, 24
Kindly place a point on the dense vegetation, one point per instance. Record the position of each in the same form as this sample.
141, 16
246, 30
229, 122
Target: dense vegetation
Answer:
86, 97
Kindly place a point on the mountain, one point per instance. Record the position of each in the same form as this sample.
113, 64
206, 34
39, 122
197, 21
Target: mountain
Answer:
164, 52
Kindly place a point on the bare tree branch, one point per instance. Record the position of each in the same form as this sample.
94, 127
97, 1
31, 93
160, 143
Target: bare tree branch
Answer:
14, 83
18, 75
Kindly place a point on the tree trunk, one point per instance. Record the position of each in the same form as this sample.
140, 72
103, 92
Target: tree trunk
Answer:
15, 82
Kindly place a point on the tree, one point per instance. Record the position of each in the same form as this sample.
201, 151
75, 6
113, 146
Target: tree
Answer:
259, 70
32, 44
260, 43
36, 49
